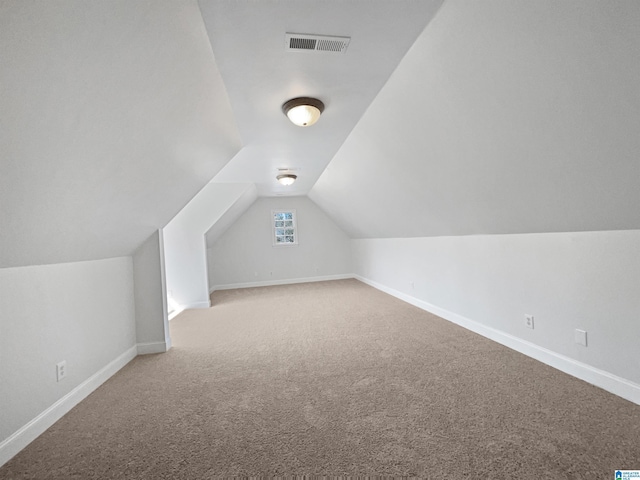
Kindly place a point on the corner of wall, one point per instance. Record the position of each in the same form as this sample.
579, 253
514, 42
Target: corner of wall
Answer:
152, 322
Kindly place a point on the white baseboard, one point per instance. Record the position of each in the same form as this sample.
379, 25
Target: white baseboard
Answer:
206, 304
288, 281
29, 432
600, 378
152, 347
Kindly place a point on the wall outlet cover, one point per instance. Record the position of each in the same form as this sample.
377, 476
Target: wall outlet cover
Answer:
528, 321
61, 370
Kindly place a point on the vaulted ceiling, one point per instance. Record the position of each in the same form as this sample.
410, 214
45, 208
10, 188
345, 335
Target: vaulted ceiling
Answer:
462, 117
504, 117
248, 42
113, 116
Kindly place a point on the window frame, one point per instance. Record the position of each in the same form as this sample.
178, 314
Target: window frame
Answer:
274, 237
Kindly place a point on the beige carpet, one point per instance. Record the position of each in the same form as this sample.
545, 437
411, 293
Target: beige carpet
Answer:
334, 378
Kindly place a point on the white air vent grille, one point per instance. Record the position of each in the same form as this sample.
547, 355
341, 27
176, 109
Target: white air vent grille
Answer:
298, 42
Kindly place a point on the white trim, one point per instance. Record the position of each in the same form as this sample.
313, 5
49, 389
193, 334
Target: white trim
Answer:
206, 304
152, 347
163, 290
607, 381
289, 281
36, 427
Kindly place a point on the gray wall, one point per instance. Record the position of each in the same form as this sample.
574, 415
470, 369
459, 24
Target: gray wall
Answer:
245, 252
152, 323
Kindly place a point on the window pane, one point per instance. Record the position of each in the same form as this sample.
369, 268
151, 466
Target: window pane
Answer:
284, 231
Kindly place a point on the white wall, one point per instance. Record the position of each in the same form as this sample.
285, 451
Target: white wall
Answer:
585, 280
79, 312
245, 254
152, 322
185, 246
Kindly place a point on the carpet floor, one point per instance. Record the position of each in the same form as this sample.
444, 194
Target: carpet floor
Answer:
334, 379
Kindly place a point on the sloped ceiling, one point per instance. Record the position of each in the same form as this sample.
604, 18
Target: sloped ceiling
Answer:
248, 41
229, 217
504, 117
113, 116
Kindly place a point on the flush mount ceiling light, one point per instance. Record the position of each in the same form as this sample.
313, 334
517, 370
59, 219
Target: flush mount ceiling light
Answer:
303, 111
286, 179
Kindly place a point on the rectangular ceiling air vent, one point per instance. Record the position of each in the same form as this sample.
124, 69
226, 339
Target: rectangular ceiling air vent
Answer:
300, 42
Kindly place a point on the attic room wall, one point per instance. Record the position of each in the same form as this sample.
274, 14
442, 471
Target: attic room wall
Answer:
82, 313
245, 256
185, 245
497, 170
149, 278
567, 281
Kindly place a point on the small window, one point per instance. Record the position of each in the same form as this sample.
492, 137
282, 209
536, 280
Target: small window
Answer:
284, 227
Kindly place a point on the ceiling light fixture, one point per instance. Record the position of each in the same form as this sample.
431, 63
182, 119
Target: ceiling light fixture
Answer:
286, 179
303, 111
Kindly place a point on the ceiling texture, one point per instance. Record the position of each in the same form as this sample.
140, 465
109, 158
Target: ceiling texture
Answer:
455, 118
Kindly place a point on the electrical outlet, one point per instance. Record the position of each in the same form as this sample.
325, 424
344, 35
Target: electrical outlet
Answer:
528, 321
580, 336
61, 370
